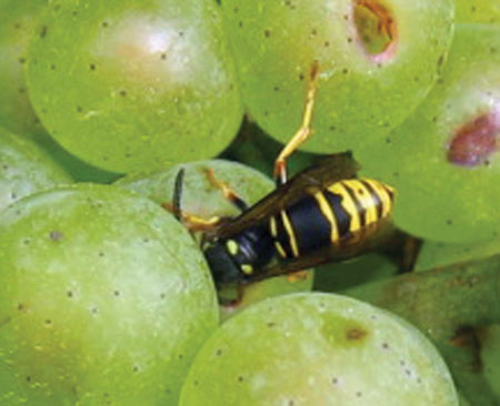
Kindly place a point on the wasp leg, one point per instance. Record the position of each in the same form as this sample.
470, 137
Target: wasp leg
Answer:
193, 222
303, 133
228, 193
190, 221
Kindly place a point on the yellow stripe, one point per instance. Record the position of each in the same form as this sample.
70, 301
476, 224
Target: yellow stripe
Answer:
273, 227
348, 205
383, 193
289, 231
365, 198
326, 210
280, 249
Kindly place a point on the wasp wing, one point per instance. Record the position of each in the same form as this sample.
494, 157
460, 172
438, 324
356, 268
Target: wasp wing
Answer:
328, 170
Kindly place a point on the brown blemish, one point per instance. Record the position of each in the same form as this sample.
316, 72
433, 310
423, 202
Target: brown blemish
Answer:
376, 29
340, 331
356, 334
474, 142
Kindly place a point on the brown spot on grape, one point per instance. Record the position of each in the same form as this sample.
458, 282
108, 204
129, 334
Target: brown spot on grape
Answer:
267, 33
475, 141
376, 29
356, 333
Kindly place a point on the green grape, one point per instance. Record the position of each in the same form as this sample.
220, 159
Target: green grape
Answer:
104, 300
442, 160
24, 170
18, 21
490, 355
438, 254
134, 85
205, 200
317, 349
478, 11
377, 61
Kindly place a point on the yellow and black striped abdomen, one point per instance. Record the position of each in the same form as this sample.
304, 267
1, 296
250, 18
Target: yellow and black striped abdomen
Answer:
349, 208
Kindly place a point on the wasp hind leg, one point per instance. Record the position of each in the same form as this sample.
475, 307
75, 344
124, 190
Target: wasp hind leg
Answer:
303, 133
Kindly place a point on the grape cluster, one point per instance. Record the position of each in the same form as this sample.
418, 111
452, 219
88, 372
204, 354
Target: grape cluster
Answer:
105, 295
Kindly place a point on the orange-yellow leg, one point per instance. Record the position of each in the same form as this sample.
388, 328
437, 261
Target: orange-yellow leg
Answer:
193, 222
303, 133
228, 193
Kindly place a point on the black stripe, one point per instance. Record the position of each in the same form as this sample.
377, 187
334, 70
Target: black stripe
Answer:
377, 201
343, 218
359, 207
311, 228
282, 235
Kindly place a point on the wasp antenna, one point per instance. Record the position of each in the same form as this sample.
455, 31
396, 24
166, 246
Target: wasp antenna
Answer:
176, 199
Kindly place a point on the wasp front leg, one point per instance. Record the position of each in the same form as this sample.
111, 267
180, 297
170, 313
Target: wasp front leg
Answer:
226, 190
303, 133
191, 221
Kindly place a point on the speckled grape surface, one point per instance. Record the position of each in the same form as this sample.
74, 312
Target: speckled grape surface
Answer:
104, 300
18, 21
362, 95
203, 199
133, 85
478, 11
24, 169
436, 198
317, 349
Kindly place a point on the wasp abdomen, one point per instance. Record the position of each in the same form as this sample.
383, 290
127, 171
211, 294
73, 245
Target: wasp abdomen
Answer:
345, 209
